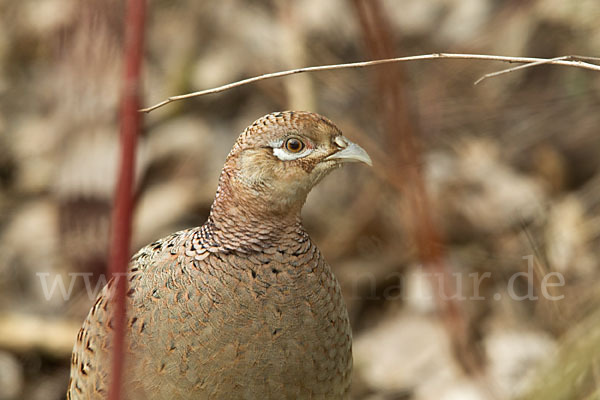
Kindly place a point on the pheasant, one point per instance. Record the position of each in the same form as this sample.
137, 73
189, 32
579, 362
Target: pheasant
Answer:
244, 306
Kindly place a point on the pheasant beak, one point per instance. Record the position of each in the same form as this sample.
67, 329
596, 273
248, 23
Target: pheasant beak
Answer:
350, 152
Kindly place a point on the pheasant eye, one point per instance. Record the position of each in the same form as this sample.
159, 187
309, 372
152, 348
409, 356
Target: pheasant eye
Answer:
294, 145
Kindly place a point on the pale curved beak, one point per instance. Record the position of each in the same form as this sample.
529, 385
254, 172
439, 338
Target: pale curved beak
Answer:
351, 153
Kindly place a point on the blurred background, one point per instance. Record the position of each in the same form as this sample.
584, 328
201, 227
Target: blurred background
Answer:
468, 255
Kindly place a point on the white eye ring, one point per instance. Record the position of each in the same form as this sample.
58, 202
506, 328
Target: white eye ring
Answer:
280, 152
285, 155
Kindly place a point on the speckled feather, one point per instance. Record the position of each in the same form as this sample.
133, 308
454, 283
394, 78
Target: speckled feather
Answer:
243, 307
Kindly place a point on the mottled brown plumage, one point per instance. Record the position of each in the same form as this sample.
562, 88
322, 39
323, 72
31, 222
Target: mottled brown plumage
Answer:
245, 306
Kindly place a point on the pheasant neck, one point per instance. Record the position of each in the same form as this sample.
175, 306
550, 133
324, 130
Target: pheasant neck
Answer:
237, 220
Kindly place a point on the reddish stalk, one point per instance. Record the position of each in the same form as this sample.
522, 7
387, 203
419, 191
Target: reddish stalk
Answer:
402, 135
123, 203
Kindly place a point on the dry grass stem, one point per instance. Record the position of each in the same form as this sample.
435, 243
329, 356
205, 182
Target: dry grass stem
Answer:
573, 59
569, 61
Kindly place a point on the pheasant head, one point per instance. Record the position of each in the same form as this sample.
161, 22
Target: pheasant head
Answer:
275, 163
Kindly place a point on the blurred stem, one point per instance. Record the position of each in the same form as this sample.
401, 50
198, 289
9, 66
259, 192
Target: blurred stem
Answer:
402, 136
123, 205
573, 372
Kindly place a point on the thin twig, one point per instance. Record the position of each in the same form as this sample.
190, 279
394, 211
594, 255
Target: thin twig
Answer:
575, 59
569, 61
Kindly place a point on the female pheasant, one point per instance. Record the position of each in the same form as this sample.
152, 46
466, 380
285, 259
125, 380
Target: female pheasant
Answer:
245, 306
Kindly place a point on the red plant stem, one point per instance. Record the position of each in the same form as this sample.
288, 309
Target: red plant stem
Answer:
123, 203
403, 136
